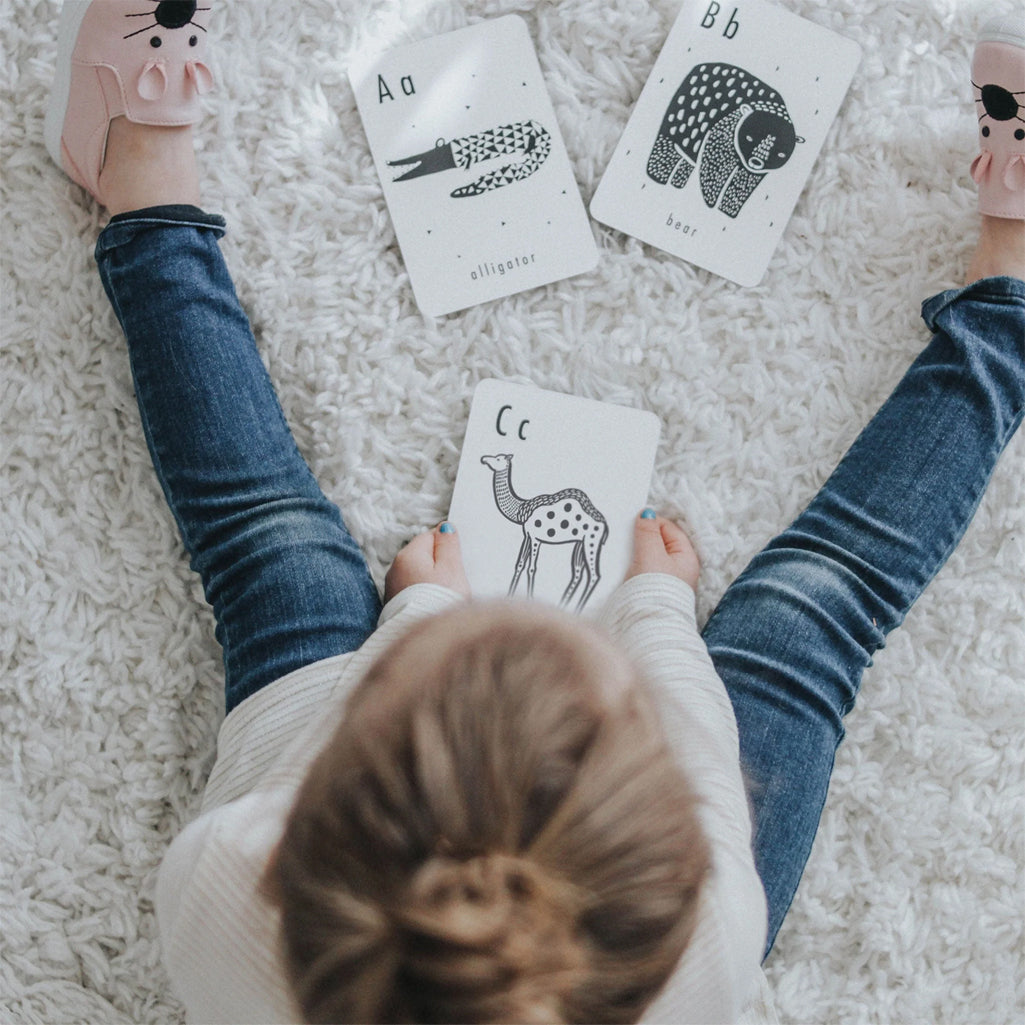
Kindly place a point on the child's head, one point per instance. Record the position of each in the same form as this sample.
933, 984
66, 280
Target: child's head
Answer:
496, 832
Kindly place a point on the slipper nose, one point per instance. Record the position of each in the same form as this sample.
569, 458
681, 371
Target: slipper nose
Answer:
999, 102
175, 13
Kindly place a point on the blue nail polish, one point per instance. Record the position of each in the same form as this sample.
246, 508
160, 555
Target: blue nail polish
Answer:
446, 528
648, 514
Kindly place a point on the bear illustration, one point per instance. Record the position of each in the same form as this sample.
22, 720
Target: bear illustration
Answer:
732, 124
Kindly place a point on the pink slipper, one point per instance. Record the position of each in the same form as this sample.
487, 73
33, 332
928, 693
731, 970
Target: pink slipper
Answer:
142, 59
998, 78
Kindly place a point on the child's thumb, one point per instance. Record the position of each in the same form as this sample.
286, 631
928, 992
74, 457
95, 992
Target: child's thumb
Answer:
648, 531
446, 544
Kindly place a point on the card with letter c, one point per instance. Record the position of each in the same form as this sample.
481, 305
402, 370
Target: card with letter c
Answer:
724, 134
547, 492
474, 170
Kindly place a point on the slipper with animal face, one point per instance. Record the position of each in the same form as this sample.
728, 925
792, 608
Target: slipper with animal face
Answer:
139, 59
998, 81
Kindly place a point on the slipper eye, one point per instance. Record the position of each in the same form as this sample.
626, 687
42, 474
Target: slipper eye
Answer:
999, 103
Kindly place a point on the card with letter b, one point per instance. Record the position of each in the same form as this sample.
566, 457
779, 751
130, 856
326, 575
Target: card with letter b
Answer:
546, 495
473, 168
725, 133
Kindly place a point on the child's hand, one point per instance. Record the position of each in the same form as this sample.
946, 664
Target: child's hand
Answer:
433, 557
660, 546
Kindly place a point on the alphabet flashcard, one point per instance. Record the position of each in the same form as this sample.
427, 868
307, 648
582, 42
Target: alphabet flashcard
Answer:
474, 171
725, 133
547, 491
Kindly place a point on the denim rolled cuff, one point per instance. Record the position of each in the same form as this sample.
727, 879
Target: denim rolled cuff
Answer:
122, 227
1001, 289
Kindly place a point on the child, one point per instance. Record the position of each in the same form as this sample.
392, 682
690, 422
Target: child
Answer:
463, 812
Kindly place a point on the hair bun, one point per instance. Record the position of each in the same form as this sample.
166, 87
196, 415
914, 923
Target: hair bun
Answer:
503, 908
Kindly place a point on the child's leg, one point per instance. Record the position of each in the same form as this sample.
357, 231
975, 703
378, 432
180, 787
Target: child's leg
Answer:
287, 582
794, 633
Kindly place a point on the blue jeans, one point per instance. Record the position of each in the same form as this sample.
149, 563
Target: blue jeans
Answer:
793, 634
790, 638
287, 583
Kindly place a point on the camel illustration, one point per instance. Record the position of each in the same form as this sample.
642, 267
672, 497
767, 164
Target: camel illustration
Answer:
565, 517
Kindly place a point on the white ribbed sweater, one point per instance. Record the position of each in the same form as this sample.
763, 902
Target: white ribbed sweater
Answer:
219, 934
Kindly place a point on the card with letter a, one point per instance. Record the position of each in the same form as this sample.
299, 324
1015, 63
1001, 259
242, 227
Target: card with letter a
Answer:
724, 134
546, 495
474, 170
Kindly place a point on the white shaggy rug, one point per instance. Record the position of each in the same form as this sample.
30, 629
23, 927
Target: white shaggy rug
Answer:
912, 906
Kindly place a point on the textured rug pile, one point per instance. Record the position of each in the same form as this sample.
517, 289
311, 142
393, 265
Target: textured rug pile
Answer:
911, 907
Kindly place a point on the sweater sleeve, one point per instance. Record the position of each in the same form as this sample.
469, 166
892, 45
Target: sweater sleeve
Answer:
254, 735
218, 932
652, 616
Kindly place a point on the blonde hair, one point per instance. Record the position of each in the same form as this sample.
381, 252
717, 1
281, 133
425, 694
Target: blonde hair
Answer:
487, 838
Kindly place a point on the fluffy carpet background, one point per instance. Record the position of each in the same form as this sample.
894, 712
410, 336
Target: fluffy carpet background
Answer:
911, 908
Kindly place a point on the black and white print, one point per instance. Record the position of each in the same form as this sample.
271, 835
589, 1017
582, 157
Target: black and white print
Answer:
548, 488
730, 124
564, 517
526, 138
727, 128
473, 168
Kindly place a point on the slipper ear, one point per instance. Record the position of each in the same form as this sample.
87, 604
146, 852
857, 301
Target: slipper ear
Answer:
153, 80
980, 165
1014, 173
200, 75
